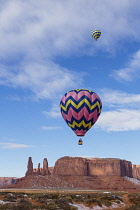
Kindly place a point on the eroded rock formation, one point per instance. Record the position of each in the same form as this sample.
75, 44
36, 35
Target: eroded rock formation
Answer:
83, 166
80, 172
29, 167
37, 171
45, 167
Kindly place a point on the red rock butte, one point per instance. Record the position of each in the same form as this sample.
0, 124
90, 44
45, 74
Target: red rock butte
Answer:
83, 166
86, 166
83, 173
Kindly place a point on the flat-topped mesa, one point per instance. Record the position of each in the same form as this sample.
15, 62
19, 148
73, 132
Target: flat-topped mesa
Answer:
85, 166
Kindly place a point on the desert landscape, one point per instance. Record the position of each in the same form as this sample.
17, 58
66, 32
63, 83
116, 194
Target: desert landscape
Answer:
75, 183
82, 173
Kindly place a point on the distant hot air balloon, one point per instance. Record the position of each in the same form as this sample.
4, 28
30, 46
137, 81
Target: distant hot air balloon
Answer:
96, 34
80, 109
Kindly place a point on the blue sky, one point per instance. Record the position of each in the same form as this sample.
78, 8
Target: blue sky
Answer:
46, 49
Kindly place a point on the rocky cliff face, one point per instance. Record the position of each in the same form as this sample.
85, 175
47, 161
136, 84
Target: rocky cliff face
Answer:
136, 171
78, 166
109, 167
126, 168
74, 166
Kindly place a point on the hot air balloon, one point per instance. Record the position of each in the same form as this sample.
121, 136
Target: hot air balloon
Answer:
80, 108
96, 34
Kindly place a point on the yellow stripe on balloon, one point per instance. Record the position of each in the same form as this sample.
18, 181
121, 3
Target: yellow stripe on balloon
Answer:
96, 104
62, 107
89, 125
80, 104
77, 106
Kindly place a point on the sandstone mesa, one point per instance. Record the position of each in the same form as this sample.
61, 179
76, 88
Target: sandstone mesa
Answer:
84, 173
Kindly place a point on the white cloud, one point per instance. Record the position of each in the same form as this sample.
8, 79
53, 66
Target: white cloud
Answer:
54, 112
119, 120
51, 127
45, 80
57, 28
118, 98
60, 27
131, 71
13, 146
124, 114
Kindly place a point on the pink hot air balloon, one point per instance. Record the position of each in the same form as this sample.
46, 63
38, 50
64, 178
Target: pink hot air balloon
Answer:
80, 109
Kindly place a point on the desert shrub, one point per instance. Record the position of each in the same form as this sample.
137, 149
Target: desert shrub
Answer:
73, 208
111, 198
21, 207
10, 197
14, 207
42, 200
134, 198
117, 201
5, 206
20, 195
64, 203
69, 199
34, 196
54, 195
134, 207
47, 196
77, 198
107, 203
92, 201
24, 202
51, 206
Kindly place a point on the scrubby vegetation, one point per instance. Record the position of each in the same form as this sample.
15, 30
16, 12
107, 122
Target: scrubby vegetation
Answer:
135, 201
64, 201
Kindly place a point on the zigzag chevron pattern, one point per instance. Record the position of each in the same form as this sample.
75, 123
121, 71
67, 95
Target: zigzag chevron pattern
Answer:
80, 109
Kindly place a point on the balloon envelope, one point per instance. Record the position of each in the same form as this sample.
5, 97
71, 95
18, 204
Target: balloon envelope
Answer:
96, 34
80, 109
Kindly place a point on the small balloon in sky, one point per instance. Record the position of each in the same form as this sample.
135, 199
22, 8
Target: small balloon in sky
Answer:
96, 34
